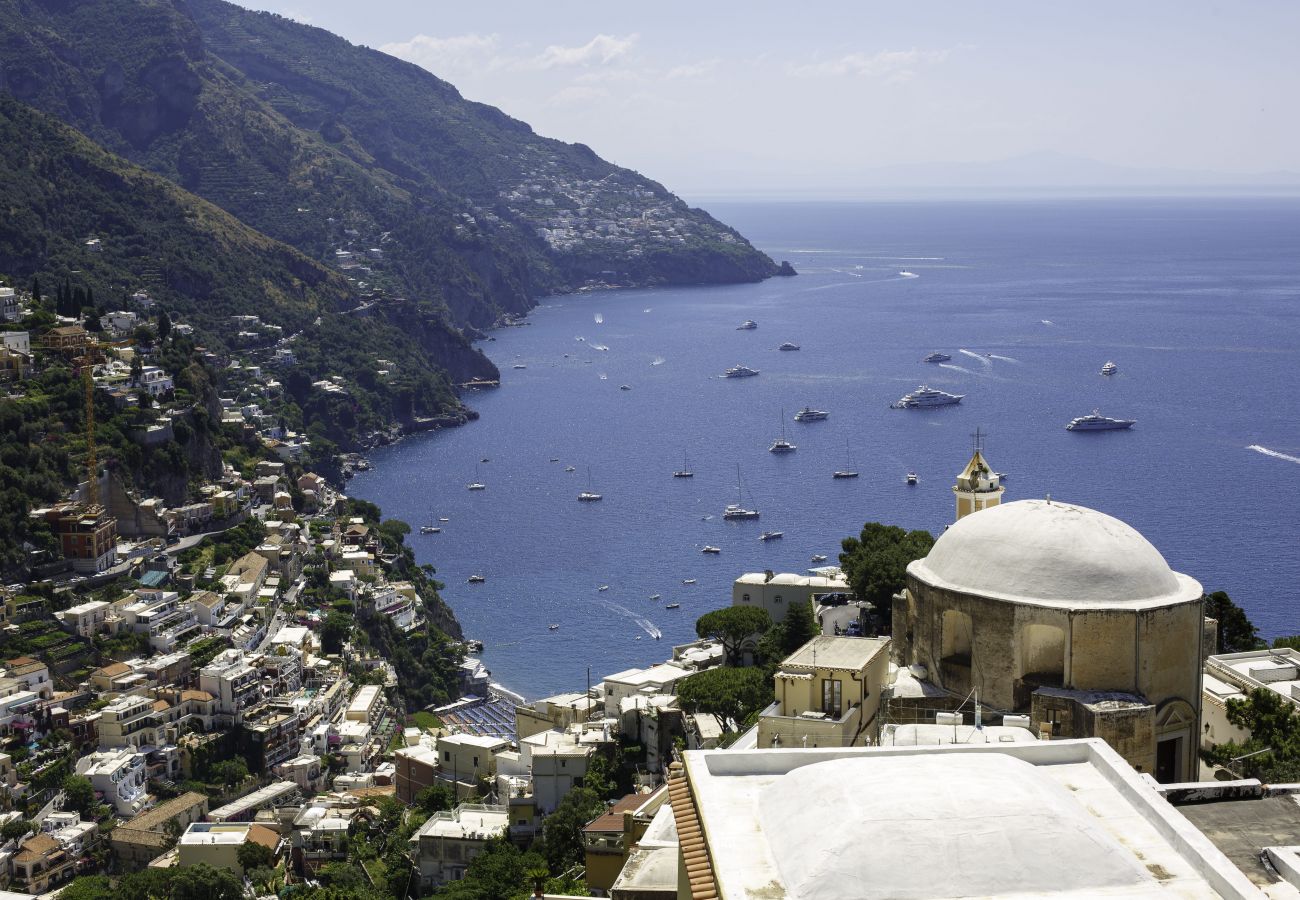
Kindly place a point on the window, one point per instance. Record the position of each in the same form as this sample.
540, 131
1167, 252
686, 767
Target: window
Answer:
745, 598
446, 756
564, 763
778, 598
832, 696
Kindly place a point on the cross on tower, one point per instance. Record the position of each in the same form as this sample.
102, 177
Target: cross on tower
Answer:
977, 440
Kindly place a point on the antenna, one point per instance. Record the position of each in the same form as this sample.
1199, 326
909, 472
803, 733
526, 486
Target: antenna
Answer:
977, 440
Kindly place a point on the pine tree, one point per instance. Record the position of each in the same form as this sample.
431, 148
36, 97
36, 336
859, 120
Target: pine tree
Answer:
36, 290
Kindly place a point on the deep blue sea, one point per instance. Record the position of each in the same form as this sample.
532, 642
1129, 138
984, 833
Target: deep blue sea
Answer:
1197, 301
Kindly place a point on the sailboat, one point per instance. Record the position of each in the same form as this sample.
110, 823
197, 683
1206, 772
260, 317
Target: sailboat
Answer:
430, 528
685, 471
848, 471
736, 510
588, 496
476, 485
781, 445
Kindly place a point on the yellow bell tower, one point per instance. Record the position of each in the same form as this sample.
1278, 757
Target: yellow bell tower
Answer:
978, 486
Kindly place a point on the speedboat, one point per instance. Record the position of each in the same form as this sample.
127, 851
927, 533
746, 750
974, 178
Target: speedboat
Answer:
603, 587
476, 486
553, 627
655, 596
926, 398
1097, 422
911, 478
519, 366
430, 529
443, 519
588, 497
906, 274
625, 387
688, 581
771, 535
819, 557
788, 346
673, 606
937, 357
808, 414
747, 325
570, 469
1110, 368
709, 549
476, 579
844, 473
739, 372
555, 459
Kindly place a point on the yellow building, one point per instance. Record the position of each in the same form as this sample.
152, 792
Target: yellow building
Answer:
608, 839
828, 694
218, 843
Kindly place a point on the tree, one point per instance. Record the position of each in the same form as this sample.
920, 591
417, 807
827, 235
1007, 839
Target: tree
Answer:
334, 632
1290, 640
252, 855
1272, 752
17, 829
80, 793
731, 627
729, 695
230, 772
203, 882
137, 367
164, 325
876, 562
89, 887
562, 829
435, 798
1235, 632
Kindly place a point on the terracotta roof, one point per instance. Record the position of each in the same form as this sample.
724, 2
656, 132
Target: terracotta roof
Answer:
161, 705
612, 818
35, 847
200, 696
260, 834
160, 814
112, 670
690, 835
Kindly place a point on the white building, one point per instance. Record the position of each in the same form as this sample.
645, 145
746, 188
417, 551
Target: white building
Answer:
17, 341
660, 679
85, 619
155, 381
233, 683
163, 616
444, 846
559, 761
367, 705
119, 776
1233, 676
776, 593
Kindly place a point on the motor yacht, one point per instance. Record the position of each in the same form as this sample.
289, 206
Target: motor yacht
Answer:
911, 478
476, 579
1097, 422
808, 414
788, 346
771, 535
926, 398
1110, 368
739, 372
937, 357
747, 325
709, 549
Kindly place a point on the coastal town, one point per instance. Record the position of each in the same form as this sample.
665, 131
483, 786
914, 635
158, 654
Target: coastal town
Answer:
255, 682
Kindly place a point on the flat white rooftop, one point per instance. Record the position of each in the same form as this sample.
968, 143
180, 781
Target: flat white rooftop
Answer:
1042, 819
830, 652
929, 735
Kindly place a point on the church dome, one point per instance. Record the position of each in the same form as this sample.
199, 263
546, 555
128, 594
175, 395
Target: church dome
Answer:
1040, 551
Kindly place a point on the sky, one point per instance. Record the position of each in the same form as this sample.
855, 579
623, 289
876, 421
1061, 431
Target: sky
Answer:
751, 98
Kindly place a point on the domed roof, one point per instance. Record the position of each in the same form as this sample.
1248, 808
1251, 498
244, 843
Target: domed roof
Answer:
1041, 551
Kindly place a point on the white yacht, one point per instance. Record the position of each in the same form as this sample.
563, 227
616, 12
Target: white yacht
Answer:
937, 357
1098, 422
588, 496
788, 345
476, 579
771, 536
925, 398
819, 557
808, 414
747, 325
476, 485
736, 510
739, 372
710, 549
1110, 368
911, 478
848, 471
430, 529
781, 445
685, 470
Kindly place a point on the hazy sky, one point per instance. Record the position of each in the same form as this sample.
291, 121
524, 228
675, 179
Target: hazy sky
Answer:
717, 97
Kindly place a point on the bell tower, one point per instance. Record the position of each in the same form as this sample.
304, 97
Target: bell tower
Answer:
978, 486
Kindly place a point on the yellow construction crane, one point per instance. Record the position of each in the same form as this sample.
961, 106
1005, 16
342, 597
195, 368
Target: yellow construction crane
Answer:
92, 469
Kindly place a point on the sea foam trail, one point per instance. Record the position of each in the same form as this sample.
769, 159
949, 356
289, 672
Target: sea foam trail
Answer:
1009, 359
1273, 453
600, 318
984, 361
658, 361
647, 626
956, 368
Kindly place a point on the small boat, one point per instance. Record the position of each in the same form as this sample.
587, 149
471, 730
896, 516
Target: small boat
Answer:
771, 535
1097, 422
430, 529
673, 606
443, 519
937, 357
911, 478
603, 587
476, 486
739, 372
788, 346
808, 414
625, 387
848, 471
819, 557
747, 325
781, 445
637, 638
570, 469
588, 496
685, 470
519, 366
553, 626
710, 549
476, 579
555, 459
486, 459
1110, 368
907, 274
654, 596
688, 581
1002, 476
926, 398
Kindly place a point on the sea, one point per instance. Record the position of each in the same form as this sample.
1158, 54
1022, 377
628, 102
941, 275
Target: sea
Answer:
1197, 301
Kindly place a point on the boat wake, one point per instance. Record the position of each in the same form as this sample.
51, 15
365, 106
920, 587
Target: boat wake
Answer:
645, 624
984, 360
1004, 358
1273, 453
600, 318
599, 347
956, 368
658, 361
908, 275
